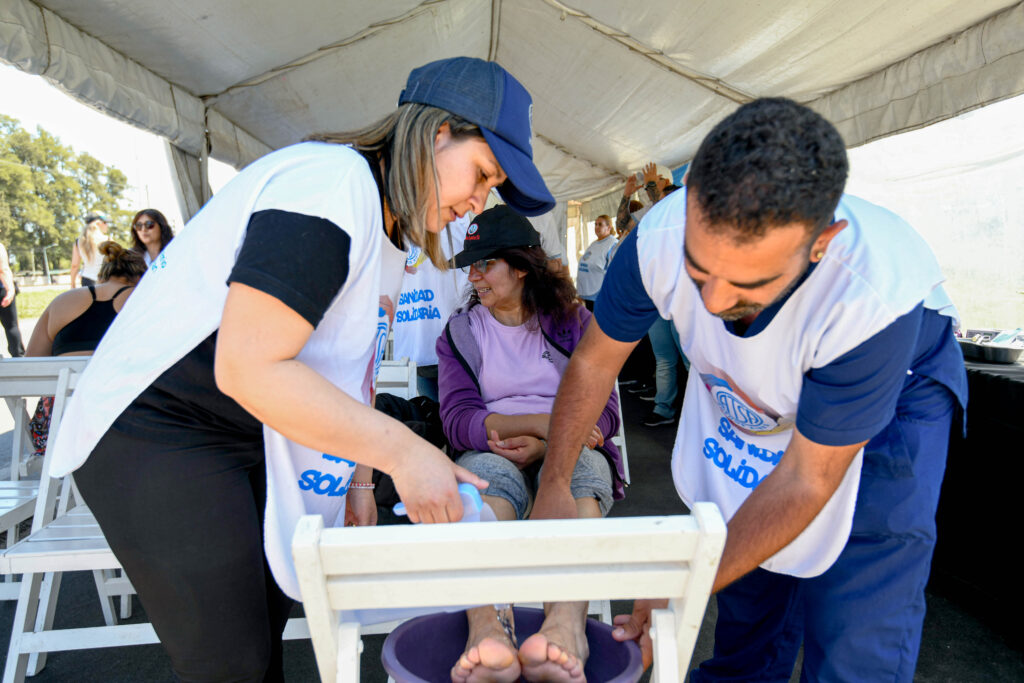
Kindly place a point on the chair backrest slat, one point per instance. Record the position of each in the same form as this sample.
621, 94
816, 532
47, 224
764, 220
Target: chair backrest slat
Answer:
383, 550
416, 589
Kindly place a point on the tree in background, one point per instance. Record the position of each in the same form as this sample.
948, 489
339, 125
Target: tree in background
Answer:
46, 189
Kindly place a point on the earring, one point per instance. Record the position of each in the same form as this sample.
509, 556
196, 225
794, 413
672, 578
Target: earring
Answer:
819, 255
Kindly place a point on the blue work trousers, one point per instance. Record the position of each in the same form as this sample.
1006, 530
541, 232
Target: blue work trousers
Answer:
861, 620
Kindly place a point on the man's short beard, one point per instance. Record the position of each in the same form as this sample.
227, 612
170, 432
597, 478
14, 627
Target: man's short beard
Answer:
743, 309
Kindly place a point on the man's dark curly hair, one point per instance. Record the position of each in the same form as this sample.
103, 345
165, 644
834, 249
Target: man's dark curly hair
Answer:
544, 290
769, 163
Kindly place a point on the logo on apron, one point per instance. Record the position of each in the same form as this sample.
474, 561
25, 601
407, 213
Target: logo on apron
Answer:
740, 410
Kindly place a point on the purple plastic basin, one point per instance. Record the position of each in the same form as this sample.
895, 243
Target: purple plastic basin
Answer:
425, 648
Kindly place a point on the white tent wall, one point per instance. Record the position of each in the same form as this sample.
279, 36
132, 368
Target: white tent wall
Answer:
978, 66
190, 181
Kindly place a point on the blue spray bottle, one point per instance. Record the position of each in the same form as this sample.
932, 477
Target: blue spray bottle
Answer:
474, 509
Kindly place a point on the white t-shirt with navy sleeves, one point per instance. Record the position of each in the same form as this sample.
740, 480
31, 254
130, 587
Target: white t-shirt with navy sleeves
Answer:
876, 287
310, 185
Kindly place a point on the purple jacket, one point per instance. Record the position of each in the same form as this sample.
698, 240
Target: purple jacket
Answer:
462, 407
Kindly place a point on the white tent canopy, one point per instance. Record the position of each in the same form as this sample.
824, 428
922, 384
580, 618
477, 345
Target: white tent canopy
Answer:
614, 84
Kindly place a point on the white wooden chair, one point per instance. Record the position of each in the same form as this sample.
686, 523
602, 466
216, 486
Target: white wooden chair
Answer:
66, 537
397, 377
426, 566
20, 380
620, 439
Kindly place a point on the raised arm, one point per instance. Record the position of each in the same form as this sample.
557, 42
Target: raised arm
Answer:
623, 221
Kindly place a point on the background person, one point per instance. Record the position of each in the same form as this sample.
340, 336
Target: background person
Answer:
429, 295
233, 394
594, 264
75, 322
824, 379
8, 307
85, 255
500, 360
150, 234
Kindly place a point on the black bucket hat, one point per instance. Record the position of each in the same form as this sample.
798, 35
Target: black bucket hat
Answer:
493, 230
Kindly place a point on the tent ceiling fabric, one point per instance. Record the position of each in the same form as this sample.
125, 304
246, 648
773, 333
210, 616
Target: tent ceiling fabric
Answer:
614, 84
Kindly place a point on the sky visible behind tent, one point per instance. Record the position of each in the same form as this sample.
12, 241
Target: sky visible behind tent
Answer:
959, 182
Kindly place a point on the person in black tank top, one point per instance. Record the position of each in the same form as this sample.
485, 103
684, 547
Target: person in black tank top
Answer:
64, 328
84, 332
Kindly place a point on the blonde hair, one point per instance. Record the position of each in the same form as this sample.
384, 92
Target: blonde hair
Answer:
405, 141
120, 262
89, 242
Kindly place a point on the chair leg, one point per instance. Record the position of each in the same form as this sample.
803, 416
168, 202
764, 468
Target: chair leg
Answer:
606, 611
126, 598
349, 648
667, 667
100, 576
48, 593
24, 620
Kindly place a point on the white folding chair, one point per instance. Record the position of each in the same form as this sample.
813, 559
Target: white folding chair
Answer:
547, 560
397, 377
620, 439
20, 380
66, 537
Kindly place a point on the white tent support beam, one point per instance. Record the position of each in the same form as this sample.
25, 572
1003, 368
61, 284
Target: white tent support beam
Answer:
657, 56
204, 161
492, 51
978, 66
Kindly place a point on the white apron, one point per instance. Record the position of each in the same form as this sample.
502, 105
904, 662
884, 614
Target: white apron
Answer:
179, 303
743, 392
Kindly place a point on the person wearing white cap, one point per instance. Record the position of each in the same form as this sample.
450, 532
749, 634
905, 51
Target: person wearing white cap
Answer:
233, 396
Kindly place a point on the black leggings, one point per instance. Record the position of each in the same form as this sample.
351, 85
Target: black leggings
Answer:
9, 319
184, 515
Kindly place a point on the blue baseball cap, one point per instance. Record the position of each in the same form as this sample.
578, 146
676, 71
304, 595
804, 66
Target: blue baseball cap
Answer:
485, 94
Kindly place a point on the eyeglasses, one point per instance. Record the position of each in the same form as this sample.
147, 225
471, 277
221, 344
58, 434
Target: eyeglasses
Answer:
144, 225
482, 265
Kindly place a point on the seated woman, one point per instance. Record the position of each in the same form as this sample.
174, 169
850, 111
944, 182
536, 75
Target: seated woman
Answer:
500, 360
74, 322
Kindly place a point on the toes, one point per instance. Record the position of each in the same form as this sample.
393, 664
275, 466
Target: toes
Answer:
489, 660
494, 655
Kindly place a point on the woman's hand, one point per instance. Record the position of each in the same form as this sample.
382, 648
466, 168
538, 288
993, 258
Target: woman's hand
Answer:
596, 438
521, 450
427, 482
360, 508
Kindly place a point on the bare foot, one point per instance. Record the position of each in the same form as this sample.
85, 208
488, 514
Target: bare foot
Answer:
490, 655
558, 651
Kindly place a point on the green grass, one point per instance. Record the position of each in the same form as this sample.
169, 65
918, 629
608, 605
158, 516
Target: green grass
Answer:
32, 302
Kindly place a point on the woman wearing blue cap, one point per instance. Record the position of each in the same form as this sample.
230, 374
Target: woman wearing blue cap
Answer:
233, 395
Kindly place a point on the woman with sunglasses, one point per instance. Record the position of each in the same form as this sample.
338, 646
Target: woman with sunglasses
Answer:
499, 364
150, 234
232, 395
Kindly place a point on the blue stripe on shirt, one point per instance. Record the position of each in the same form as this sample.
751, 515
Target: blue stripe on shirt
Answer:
855, 396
